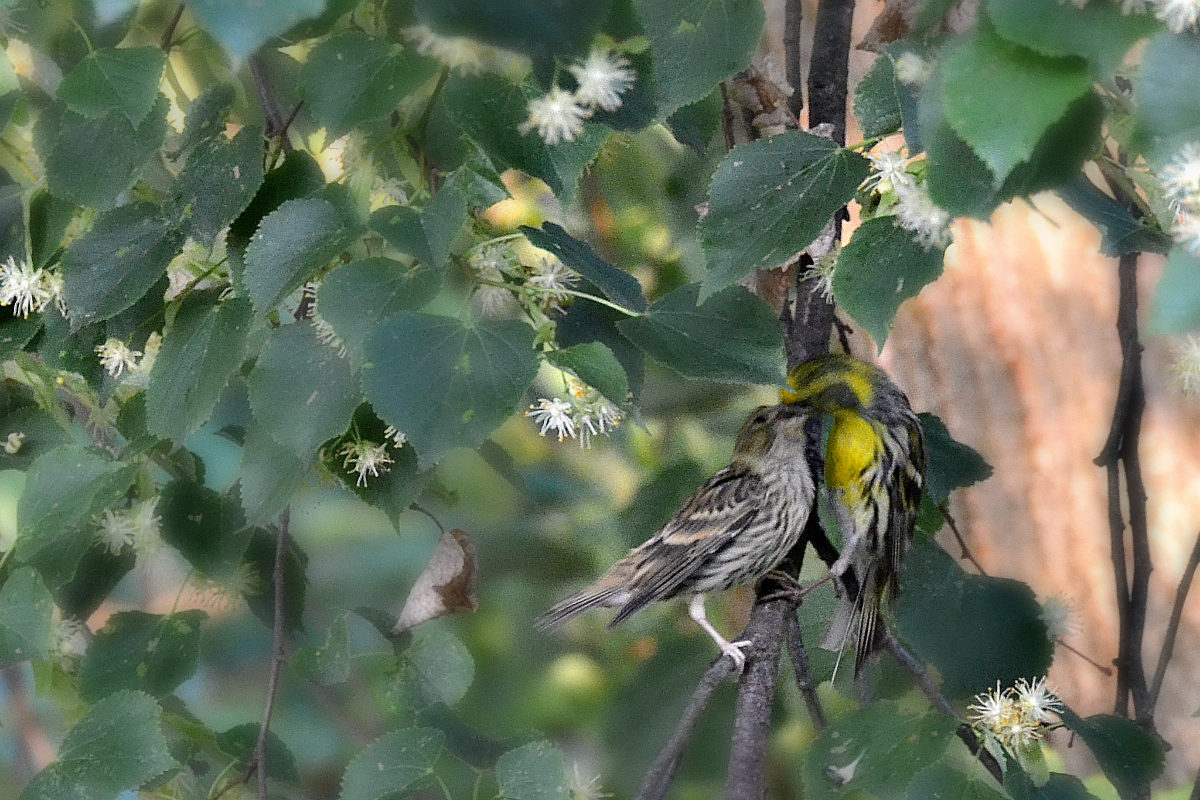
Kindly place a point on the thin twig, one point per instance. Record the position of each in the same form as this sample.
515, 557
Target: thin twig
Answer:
270, 106
244, 778
962, 543
933, 692
658, 778
168, 37
421, 509
1105, 670
277, 651
1181, 593
804, 677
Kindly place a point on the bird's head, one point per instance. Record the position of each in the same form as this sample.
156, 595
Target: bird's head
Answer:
834, 382
768, 425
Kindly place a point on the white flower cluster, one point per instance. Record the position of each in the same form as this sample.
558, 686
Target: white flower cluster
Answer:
118, 358
1019, 716
503, 283
583, 416
366, 458
915, 210
558, 115
461, 53
137, 526
1181, 186
1060, 616
1185, 367
1180, 16
29, 290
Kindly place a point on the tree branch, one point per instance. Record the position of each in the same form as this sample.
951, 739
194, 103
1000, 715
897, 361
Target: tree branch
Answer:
277, 651
658, 778
168, 37
933, 693
1181, 593
804, 677
793, 16
276, 126
828, 70
958, 537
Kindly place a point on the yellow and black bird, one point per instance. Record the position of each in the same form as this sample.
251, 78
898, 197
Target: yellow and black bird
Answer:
735, 529
874, 472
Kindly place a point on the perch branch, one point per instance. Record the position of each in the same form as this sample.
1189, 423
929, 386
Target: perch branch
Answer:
277, 651
1181, 593
804, 677
168, 37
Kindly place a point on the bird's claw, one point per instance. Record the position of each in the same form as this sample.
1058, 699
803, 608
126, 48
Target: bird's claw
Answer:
734, 651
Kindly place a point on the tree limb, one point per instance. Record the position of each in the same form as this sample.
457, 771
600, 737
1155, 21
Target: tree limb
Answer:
1181, 593
276, 126
168, 37
804, 677
793, 16
277, 651
658, 778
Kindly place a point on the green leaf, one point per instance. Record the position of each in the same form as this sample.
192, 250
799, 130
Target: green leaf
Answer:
536, 771
400, 226
241, 26
65, 488
206, 115
591, 322
1099, 32
117, 747
877, 99
392, 763
15, 333
1130, 756
539, 29
351, 78
260, 561
442, 665
113, 265
26, 610
269, 473
732, 337
443, 217
330, 663
219, 180
147, 652
354, 299
124, 80
78, 170
207, 528
594, 364
616, 284
889, 744
975, 629
491, 110
290, 246
1059, 787
1176, 304
1001, 98
478, 373
302, 392
697, 45
298, 176
1168, 110
1120, 232
769, 200
952, 464
200, 351
240, 741
940, 781
10, 93
881, 268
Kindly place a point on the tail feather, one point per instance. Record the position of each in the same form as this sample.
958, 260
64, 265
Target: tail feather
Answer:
594, 596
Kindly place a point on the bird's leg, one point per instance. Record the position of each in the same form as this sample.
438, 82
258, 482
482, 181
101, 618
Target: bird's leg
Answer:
731, 649
792, 589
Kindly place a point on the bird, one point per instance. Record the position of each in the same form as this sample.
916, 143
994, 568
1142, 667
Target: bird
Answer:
874, 473
732, 531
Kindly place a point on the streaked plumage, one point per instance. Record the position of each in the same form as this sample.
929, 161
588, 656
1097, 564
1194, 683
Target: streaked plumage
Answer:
874, 471
737, 526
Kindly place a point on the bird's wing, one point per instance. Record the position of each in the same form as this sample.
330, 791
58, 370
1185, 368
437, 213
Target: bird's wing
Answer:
724, 506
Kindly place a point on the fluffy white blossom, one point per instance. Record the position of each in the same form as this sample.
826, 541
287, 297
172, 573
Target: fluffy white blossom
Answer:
13, 442
888, 170
822, 271
603, 77
115, 531
1181, 179
1017, 716
116, 357
1186, 231
24, 287
1180, 16
557, 116
68, 638
1060, 616
549, 277
553, 415
365, 458
929, 222
397, 438
911, 69
139, 373
1185, 366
